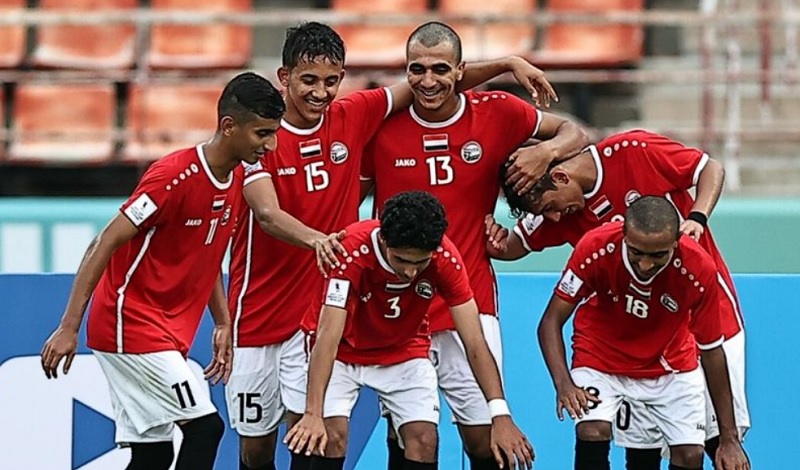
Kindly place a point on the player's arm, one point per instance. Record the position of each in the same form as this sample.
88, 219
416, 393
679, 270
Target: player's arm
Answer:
505, 434
366, 187
551, 340
263, 200
63, 343
222, 338
309, 433
503, 244
561, 139
709, 189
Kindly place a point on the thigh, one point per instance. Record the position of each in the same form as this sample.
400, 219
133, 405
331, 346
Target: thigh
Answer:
735, 357
152, 391
634, 427
294, 373
254, 405
407, 390
607, 387
677, 405
343, 388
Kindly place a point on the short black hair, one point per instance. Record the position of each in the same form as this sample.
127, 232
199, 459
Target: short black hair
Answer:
652, 214
522, 204
433, 33
413, 219
249, 93
312, 40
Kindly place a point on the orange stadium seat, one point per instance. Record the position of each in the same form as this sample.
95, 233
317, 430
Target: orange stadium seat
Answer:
164, 117
12, 38
377, 46
84, 46
64, 123
200, 47
572, 45
494, 40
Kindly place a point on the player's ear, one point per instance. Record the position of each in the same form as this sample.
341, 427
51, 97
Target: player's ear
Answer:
559, 176
227, 125
283, 76
460, 70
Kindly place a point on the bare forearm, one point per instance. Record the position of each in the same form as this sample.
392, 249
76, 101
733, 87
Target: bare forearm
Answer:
477, 73
709, 187
569, 140
551, 342
483, 365
91, 268
320, 369
217, 304
715, 368
514, 249
287, 228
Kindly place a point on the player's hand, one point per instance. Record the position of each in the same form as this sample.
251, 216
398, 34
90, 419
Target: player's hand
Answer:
693, 229
575, 400
731, 456
529, 165
62, 344
326, 249
534, 81
307, 435
222, 363
498, 235
509, 445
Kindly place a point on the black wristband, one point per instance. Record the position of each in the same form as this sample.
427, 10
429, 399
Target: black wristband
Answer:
698, 217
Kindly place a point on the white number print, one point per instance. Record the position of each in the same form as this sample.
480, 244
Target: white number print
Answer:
212, 229
437, 166
393, 304
316, 177
635, 307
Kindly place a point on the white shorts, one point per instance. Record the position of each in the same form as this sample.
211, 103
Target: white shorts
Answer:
150, 392
641, 431
265, 382
456, 380
407, 391
675, 402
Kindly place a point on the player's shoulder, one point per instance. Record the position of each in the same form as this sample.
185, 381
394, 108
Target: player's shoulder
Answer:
495, 101
692, 260
447, 254
630, 140
611, 231
358, 99
601, 241
179, 166
360, 236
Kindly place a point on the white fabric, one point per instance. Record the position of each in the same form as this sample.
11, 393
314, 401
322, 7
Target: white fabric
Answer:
144, 394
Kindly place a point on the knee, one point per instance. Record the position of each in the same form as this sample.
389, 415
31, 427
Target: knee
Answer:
594, 431
687, 456
477, 441
337, 438
151, 456
421, 441
257, 451
208, 428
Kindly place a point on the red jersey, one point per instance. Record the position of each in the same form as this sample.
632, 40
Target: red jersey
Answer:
629, 165
387, 319
154, 290
459, 162
316, 177
626, 324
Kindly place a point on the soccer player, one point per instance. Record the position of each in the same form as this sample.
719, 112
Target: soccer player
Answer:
150, 273
305, 190
594, 188
372, 331
644, 294
453, 145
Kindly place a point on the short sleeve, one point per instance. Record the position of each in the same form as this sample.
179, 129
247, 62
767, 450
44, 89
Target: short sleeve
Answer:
341, 288
453, 283
150, 203
577, 279
521, 119
706, 322
677, 165
537, 233
368, 162
257, 170
367, 109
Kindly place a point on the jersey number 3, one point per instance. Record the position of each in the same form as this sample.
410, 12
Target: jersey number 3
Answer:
394, 305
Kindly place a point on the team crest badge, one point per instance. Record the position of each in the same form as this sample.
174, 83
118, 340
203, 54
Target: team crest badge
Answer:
424, 289
339, 152
226, 216
669, 303
471, 152
631, 197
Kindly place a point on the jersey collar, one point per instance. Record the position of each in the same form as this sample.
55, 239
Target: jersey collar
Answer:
298, 131
462, 106
630, 270
201, 154
376, 246
597, 163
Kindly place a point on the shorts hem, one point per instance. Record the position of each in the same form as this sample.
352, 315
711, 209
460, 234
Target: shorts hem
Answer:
255, 433
175, 420
140, 440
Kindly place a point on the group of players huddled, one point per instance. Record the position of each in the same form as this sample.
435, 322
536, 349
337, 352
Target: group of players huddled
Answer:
320, 304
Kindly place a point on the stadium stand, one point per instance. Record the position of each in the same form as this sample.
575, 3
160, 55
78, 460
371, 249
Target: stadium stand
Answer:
12, 38
200, 47
63, 123
84, 46
377, 46
480, 42
154, 126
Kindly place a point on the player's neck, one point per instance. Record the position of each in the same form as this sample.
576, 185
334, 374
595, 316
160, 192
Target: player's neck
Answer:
447, 110
293, 117
220, 161
583, 170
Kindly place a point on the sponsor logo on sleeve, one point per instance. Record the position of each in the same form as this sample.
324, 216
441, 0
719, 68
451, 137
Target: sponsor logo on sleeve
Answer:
140, 209
339, 152
570, 283
424, 289
336, 295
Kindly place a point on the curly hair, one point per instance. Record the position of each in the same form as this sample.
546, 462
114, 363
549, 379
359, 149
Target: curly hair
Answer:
413, 219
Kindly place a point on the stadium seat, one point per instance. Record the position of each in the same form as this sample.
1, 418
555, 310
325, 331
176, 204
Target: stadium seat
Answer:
572, 45
83, 46
200, 47
493, 40
162, 118
380, 46
63, 123
12, 38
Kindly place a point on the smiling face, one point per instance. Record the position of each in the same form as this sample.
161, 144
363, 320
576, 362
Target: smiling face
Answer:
310, 87
553, 204
253, 137
432, 74
649, 252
